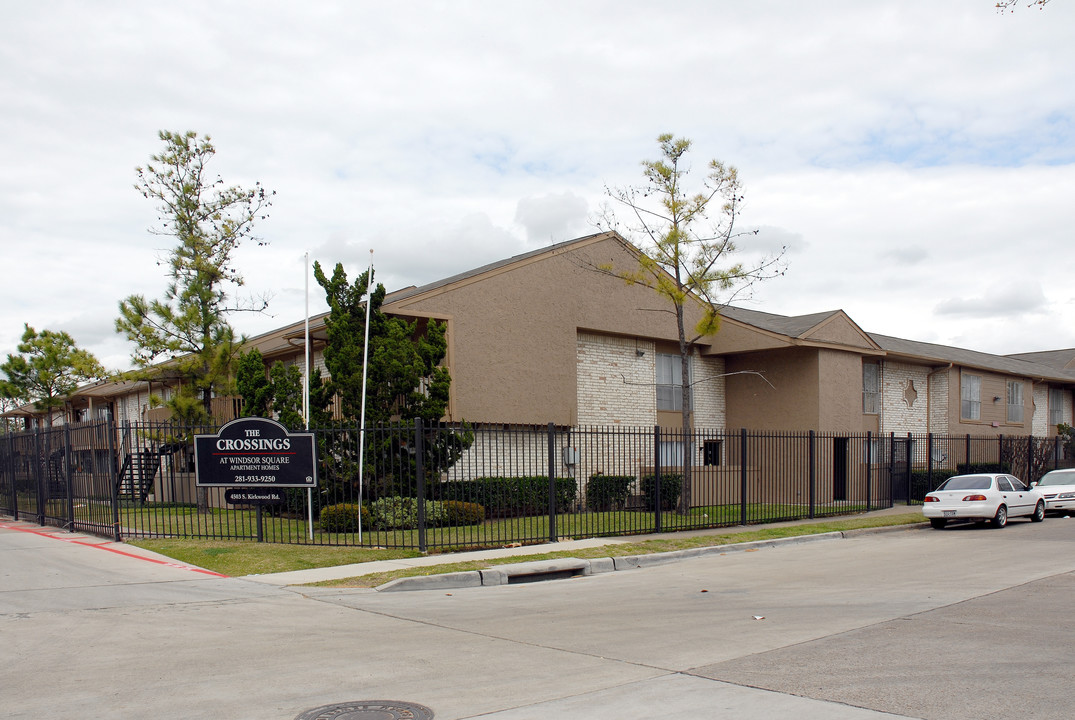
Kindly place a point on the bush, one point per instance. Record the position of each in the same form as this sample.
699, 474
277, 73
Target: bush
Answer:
511, 496
671, 487
605, 492
921, 483
343, 518
401, 513
464, 513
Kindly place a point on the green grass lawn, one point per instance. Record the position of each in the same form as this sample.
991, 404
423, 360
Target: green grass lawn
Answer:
220, 524
237, 558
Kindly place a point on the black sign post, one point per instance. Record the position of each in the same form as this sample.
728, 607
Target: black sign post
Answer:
255, 459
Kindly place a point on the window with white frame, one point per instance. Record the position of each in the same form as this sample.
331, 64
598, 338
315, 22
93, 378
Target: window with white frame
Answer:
970, 393
1015, 401
871, 388
670, 382
1056, 406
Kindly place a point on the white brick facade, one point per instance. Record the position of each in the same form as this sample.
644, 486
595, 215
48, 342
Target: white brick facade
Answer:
708, 392
615, 385
904, 398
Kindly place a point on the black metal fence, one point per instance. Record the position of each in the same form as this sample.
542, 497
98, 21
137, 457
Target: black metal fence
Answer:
446, 487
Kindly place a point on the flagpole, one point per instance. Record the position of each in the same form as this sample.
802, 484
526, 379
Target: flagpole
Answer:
362, 416
306, 391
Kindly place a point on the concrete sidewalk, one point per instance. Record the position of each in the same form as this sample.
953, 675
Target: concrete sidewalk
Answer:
302, 577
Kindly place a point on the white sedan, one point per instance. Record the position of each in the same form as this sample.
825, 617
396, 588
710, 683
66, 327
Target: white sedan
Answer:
986, 496
1058, 489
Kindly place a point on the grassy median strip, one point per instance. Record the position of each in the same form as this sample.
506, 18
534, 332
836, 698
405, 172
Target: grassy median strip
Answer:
237, 558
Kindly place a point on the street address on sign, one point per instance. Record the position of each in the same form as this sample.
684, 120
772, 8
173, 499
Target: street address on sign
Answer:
255, 452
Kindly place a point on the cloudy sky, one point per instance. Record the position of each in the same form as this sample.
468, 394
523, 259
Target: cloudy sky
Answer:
916, 157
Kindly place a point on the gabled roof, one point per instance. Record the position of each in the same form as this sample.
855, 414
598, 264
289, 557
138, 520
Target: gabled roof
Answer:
832, 327
412, 291
1056, 359
944, 354
783, 324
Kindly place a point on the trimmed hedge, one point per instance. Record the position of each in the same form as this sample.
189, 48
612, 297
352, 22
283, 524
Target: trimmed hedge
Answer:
343, 518
401, 513
608, 492
510, 496
671, 488
464, 513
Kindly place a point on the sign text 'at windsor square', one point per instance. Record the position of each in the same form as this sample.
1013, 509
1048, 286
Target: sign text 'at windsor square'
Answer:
255, 454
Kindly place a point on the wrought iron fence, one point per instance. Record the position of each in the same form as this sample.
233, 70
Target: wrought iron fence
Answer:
440, 487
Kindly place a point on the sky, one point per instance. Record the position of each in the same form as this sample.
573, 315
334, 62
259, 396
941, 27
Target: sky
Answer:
916, 159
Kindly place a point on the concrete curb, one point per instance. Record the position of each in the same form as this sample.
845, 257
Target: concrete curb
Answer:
562, 568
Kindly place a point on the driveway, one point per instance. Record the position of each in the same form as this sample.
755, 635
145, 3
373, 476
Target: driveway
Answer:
962, 623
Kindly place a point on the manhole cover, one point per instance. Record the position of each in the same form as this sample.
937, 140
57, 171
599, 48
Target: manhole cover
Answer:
369, 710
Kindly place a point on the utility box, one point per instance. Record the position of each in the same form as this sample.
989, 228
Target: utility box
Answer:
571, 456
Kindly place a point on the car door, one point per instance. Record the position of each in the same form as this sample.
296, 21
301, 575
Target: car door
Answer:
1019, 500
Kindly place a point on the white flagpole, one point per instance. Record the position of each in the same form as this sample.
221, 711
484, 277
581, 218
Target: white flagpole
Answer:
306, 392
362, 417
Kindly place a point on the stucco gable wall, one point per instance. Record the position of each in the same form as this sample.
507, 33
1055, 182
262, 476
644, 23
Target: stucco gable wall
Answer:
841, 331
512, 332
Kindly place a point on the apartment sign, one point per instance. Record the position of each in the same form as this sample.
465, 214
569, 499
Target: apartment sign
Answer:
255, 453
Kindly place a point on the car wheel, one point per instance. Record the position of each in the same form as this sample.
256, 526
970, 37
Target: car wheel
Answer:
1039, 512
1001, 518
938, 523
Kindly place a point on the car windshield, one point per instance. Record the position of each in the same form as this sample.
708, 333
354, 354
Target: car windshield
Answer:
967, 482
1058, 478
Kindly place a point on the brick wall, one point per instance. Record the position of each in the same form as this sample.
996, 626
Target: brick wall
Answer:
614, 384
903, 398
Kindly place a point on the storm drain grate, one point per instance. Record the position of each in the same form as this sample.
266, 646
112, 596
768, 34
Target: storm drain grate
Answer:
369, 710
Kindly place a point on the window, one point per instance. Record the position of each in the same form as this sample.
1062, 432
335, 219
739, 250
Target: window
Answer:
1056, 406
871, 388
669, 382
671, 453
1015, 401
711, 452
970, 393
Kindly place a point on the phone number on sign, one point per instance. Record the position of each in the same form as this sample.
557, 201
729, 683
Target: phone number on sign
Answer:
254, 478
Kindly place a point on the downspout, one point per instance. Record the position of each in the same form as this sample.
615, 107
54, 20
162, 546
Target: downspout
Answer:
929, 397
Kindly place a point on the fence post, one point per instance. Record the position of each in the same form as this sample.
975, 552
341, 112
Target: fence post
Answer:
929, 464
552, 482
420, 480
1029, 458
113, 460
68, 479
967, 452
869, 468
813, 475
1000, 452
41, 481
657, 478
742, 476
892, 467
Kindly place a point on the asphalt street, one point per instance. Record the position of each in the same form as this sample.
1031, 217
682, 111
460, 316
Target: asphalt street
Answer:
966, 623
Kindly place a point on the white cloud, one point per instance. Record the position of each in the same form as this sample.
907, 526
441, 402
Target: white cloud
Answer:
899, 149
552, 218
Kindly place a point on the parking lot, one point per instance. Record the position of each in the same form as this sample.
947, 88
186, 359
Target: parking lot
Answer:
967, 622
